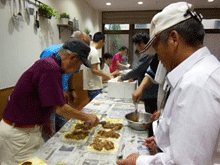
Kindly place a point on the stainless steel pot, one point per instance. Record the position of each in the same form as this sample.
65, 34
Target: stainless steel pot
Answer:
143, 122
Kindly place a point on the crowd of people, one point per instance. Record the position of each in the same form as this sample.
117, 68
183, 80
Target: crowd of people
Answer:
179, 85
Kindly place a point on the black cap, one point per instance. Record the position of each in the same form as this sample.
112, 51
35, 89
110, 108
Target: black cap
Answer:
81, 48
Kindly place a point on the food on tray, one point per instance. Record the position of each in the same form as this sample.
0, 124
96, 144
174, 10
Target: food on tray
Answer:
27, 163
77, 135
108, 134
113, 126
83, 126
99, 144
34, 161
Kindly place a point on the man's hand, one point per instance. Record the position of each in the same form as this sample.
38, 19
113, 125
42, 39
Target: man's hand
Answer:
92, 119
131, 80
151, 144
70, 97
116, 73
119, 79
130, 160
136, 96
156, 115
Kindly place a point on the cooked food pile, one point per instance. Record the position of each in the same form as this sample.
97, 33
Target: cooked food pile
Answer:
113, 126
84, 126
77, 135
108, 134
99, 144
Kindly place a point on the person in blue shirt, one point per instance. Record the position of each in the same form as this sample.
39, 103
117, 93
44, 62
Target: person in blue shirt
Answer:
57, 120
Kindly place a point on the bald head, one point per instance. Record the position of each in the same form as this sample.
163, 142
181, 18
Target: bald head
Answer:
81, 35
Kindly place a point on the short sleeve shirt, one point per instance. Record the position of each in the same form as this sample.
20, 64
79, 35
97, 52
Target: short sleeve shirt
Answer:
106, 68
90, 80
49, 51
36, 93
114, 66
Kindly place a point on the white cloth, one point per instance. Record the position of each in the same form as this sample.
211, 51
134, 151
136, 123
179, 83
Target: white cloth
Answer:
189, 129
18, 144
90, 80
106, 68
159, 78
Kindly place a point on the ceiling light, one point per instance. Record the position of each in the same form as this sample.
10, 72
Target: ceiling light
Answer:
140, 3
108, 3
210, 0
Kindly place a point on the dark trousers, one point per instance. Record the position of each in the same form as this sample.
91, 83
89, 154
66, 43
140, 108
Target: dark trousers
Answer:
150, 107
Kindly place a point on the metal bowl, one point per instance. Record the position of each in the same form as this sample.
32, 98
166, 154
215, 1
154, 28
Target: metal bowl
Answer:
143, 122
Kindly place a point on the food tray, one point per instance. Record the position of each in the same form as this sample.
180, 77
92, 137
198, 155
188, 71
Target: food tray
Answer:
34, 161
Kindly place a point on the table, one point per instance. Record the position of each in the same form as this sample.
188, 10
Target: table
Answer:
56, 151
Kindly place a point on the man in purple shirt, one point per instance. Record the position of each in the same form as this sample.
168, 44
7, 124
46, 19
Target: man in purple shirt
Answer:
36, 95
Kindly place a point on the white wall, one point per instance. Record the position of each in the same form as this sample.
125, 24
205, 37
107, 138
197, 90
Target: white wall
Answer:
21, 42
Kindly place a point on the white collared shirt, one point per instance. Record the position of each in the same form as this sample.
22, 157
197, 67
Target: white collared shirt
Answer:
189, 129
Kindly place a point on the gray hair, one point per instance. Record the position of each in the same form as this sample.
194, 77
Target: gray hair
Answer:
190, 30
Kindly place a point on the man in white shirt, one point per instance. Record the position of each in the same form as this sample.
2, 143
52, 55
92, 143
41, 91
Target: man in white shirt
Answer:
189, 128
92, 78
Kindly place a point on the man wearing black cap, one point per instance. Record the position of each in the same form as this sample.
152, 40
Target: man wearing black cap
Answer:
57, 120
189, 127
36, 95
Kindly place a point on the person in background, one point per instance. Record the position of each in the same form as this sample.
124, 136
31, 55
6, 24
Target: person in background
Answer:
107, 62
70, 95
117, 60
189, 127
124, 61
37, 94
92, 77
149, 95
108, 59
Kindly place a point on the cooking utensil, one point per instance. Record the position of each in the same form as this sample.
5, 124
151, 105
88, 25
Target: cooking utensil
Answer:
135, 116
143, 123
120, 155
102, 122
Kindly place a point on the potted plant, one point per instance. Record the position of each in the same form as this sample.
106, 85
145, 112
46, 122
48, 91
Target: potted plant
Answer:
47, 11
87, 31
64, 18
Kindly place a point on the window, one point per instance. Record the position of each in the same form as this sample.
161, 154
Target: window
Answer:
116, 27
142, 26
115, 41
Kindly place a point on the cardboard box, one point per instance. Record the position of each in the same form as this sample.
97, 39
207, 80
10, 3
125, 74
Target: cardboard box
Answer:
121, 90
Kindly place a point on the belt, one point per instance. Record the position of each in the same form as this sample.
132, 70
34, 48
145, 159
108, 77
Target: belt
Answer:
20, 125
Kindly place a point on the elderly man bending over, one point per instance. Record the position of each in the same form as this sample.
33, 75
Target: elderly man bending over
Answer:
37, 94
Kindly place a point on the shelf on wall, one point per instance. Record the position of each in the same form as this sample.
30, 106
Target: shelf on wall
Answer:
65, 26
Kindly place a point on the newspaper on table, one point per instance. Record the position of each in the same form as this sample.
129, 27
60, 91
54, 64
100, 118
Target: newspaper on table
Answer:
58, 152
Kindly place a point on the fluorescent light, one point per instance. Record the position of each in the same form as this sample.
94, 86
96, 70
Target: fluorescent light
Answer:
108, 3
210, 0
140, 3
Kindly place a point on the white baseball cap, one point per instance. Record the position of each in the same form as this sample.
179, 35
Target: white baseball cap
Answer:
170, 16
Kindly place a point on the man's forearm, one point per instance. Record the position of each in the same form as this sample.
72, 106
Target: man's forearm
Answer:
99, 73
69, 112
145, 83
